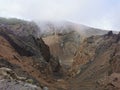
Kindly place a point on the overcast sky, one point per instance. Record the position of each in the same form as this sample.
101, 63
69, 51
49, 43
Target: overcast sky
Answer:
104, 14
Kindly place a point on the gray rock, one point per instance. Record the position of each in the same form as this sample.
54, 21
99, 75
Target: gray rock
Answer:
45, 88
15, 85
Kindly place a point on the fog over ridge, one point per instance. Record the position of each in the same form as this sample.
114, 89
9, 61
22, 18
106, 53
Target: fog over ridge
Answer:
103, 14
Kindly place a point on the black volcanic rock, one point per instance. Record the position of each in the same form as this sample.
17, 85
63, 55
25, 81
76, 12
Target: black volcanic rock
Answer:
27, 55
110, 33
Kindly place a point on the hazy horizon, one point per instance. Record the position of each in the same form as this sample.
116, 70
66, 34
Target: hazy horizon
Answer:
102, 14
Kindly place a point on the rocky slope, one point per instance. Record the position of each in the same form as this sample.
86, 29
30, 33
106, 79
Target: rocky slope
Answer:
28, 56
63, 58
96, 63
9, 80
64, 38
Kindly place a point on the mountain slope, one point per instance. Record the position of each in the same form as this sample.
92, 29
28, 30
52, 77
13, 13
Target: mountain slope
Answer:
29, 57
93, 65
64, 38
66, 57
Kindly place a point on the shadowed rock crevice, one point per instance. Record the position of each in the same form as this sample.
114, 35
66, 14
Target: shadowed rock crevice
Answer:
15, 43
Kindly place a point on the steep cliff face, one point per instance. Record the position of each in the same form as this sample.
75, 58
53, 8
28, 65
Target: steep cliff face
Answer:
96, 63
28, 56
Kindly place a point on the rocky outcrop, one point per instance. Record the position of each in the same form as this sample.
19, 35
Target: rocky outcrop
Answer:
9, 80
111, 82
15, 85
20, 27
27, 55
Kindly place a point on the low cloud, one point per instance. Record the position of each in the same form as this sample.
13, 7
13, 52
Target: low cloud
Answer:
104, 14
